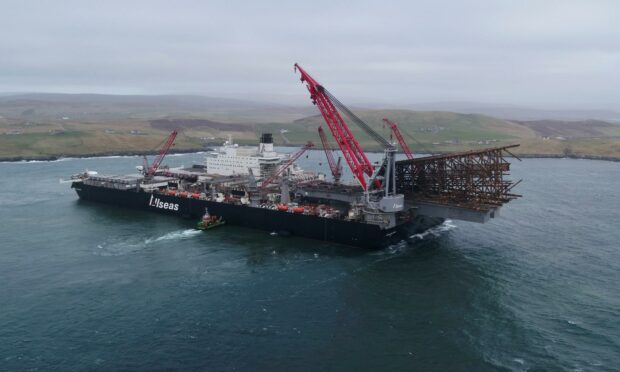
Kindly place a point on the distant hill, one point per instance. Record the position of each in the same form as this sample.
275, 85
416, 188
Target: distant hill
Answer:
572, 129
440, 130
518, 112
42, 125
170, 124
102, 107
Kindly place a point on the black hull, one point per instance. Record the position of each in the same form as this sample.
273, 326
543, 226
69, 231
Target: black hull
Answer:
338, 231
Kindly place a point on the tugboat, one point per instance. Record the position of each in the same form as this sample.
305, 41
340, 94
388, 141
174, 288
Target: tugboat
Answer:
208, 221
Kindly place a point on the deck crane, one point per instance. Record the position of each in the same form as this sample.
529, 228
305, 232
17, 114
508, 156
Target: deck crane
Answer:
358, 162
150, 171
351, 150
335, 167
400, 138
284, 166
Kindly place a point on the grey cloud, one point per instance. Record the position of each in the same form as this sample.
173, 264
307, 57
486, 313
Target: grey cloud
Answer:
542, 53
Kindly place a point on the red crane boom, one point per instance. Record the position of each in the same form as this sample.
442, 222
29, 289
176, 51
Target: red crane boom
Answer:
329, 153
351, 149
162, 154
400, 138
285, 165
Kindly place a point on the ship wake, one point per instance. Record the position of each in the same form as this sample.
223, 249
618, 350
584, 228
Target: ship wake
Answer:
127, 246
175, 235
432, 233
389, 253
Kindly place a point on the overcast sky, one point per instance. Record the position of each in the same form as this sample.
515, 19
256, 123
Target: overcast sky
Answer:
554, 54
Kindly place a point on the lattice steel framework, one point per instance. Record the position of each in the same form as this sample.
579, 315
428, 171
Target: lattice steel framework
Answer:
472, 179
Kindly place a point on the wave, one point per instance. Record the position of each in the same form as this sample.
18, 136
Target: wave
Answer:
404, 245
435, 231
86, 157
37, 161
390, 252
69, 158
126, 247
182, 234
17, 202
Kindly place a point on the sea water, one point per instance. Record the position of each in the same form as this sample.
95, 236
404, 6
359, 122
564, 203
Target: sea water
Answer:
85, 286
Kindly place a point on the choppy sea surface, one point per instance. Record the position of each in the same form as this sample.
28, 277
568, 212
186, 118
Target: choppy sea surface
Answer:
92, 287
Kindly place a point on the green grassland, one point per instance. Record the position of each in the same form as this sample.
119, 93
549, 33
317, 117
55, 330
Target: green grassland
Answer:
461, 130
49, 136
78, 139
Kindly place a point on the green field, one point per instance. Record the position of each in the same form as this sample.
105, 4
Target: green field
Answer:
90, 126
436, 130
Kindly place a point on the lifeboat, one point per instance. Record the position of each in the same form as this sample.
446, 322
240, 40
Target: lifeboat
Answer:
171, 192
183, 194
196, 195
298, 210
282, 207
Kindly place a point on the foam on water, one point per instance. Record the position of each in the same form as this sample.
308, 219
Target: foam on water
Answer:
23, 201
36, 161
69, 158
403, 245
388, 253
126, 246
175, 235
435, 231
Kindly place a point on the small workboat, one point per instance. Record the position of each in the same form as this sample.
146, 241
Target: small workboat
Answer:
208, 221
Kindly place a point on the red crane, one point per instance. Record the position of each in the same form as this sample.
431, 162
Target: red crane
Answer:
351, 149
285, 165
334, 166
162, 154
400, 138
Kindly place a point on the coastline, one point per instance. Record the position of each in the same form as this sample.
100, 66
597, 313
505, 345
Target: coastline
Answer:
572, 156
17, 159
557, 156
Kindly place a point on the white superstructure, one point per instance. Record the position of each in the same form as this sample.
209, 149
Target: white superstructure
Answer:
230, 159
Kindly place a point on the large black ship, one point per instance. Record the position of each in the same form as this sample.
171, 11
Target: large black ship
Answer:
296, 203
387, 202
271, 217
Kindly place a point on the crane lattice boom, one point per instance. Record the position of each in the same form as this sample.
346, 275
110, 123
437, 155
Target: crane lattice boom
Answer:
162, 153
285, 165
400, 138
350, 147
329, 153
